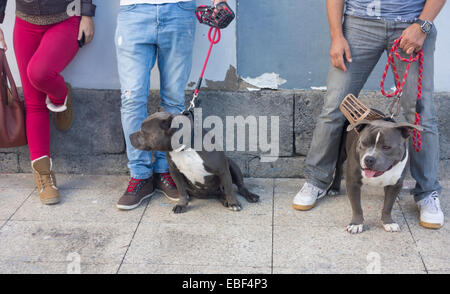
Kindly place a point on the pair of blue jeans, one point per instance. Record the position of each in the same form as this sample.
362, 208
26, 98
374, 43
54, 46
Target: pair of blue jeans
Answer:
147, 33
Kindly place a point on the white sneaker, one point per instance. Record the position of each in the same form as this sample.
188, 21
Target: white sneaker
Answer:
306, 198
431, 215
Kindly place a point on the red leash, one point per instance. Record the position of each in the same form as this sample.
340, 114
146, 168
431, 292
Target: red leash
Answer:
214, 39
417, 140
217, 17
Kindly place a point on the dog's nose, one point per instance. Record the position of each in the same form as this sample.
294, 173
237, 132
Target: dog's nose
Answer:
369, 161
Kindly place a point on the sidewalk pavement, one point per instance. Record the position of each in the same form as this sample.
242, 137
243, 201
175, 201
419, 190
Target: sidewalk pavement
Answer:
87, 230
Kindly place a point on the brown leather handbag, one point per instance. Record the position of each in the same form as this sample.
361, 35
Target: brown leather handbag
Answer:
12, 110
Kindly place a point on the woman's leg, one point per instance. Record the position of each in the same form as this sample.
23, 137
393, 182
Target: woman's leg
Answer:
56, 50
27, 38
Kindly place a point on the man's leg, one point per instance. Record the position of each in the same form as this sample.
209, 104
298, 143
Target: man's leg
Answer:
175, 46
136, 55
366, 41
424, 164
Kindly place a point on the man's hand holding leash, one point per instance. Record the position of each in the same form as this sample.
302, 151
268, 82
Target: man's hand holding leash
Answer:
414, 36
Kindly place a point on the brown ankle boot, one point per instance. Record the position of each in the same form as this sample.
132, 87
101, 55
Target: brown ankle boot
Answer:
45, 180
63, 120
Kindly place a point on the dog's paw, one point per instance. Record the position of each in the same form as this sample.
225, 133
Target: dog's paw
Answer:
252, 197
393, 227
355, 229
179, 209
233, 206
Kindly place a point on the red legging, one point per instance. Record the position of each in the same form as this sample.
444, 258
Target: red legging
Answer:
42, 53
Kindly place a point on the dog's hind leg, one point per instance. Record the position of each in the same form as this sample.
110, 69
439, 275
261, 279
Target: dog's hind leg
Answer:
230, 199
238, 180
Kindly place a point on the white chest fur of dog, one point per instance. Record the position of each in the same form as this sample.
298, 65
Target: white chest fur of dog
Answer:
390, 177
190, 164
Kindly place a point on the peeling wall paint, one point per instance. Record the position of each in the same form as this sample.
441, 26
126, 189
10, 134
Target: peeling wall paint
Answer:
266, 81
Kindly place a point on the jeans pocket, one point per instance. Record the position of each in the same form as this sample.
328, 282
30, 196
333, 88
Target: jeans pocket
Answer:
189, 5
125, 8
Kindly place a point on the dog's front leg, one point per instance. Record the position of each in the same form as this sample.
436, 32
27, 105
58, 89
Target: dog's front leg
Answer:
230, 200
354, 195
390, 194
184, 197
353, 183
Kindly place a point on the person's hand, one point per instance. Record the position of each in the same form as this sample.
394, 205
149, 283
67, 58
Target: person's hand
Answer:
412, 39
2, 40
87, 27
339, 48
218, 1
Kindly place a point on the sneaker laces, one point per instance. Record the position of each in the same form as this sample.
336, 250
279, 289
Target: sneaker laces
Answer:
310, 189
432, 202
132, 184
167, 179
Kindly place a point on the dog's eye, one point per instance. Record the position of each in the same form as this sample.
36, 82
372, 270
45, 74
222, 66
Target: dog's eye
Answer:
386, 147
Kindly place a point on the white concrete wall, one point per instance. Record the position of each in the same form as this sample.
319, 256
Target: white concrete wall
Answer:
442, 55
95, 65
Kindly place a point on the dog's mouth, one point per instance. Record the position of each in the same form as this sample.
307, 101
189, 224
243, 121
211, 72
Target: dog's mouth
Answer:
370, 173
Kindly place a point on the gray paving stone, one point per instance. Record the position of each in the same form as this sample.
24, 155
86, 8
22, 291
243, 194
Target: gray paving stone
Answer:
81, 206
307, 249
17, 181
21, 267
330, 210
211, 211
430, 243
11, 199
32, 241
189, 269
93, 182
221, 245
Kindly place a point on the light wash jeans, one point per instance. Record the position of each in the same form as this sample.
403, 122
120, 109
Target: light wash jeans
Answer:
368, 39
146, 33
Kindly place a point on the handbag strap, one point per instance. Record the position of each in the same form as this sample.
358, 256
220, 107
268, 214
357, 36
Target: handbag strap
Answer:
6, 76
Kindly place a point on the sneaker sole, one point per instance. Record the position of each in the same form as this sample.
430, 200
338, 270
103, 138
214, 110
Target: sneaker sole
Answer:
308, 207
303, 207
130, 207
167, 196
430, 225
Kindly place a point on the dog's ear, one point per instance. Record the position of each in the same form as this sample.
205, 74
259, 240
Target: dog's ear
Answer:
406, 128
166, 123
359, 125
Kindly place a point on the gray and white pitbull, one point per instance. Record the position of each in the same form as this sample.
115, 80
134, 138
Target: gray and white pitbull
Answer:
376, 155
200, 174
